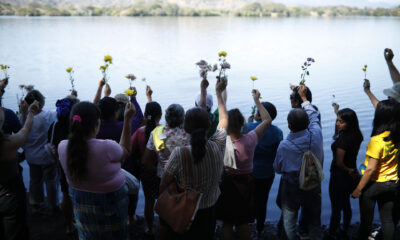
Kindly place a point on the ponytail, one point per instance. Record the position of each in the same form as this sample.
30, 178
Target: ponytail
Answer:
198, 142
78, 150
151, 113
196, 124
84, 119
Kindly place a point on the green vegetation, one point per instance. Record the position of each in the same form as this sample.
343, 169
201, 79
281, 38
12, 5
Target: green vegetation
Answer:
159, 9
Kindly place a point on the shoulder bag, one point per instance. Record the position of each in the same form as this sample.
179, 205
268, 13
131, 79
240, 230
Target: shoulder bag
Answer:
178, 206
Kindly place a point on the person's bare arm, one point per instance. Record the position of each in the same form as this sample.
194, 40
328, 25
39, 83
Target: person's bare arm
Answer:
125, 141
97, 97
23, 109
149, 93
367, 90
335, 108
223, 116
15, 141
340, 153
165, 181
394, 73
107, 90
203, 93
265, 117
369, 172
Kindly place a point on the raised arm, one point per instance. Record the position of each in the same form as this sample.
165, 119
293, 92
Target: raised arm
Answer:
394, 73
3, 85
138, 118
367, 90
97, 97
149, 93
203, 93
310, 110
335, 107
125, 141
223, 116
15, 141
265, 117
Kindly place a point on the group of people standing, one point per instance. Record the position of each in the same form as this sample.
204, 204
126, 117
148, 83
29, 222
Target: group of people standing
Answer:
91, 149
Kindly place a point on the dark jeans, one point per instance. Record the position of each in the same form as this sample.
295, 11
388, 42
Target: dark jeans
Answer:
47, 174
385, 194
341, 185
292, 199
202, 228
262, 188
13, 210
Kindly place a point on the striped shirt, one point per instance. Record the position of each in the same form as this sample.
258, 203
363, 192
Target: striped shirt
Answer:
206, 173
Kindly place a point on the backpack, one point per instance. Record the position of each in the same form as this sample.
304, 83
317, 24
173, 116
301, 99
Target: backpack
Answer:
311, 174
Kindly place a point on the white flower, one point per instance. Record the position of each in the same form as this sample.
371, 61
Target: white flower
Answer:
225, 65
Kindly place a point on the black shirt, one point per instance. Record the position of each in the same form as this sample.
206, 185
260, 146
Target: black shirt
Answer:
351, 145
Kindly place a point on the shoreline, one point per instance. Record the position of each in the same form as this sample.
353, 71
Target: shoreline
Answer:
49, 228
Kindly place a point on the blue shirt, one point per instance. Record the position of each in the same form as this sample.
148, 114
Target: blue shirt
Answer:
265, 152
11, 122
288, 157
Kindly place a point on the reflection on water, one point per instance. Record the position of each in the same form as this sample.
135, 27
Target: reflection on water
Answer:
164, 50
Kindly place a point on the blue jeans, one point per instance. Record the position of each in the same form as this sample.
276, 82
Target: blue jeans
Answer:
292, 199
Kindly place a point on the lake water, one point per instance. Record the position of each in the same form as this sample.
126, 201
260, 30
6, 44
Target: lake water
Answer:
165, 50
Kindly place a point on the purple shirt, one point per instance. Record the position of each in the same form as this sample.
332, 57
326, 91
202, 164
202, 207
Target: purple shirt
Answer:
244, 153
113, 129
104, 166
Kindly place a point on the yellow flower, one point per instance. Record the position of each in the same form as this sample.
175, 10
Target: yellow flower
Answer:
68, 69
108, 58
130, 92
103, 68
253, 78
365, 66
3, 67
364, 69
222, 53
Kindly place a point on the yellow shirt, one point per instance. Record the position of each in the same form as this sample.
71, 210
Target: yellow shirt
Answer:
387, 155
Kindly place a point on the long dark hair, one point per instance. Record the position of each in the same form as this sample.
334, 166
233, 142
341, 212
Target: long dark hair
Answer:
151, 113
353, 128
196, 124
235, 121
387, 118
84, 118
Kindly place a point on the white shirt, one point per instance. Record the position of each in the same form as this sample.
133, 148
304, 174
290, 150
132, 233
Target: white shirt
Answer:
34, 144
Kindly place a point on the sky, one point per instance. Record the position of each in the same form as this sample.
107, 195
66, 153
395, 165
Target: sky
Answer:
355, 3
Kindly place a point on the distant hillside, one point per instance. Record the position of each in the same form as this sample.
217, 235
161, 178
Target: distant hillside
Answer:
238, 8
200, 4
214, 3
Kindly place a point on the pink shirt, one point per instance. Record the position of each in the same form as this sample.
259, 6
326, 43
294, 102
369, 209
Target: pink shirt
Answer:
104, 166
244, 153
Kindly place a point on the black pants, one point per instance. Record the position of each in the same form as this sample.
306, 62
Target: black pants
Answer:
202, 228
341, 185
13, 210
262, 188
385, 194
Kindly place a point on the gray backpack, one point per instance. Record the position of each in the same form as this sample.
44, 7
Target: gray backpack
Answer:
311, 174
